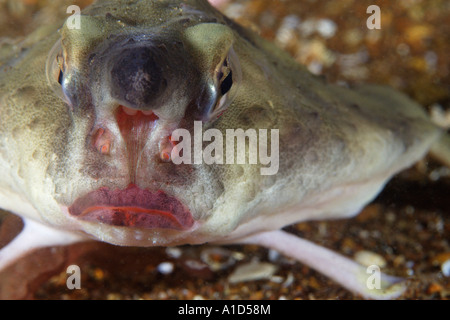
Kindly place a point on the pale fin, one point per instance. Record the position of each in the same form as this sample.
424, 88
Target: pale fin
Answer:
440, 150
33, 236
344, 271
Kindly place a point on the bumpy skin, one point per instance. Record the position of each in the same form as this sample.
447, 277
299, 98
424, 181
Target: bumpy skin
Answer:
337, 146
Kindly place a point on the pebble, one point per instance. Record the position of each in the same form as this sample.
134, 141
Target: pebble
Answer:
277, 279
273, 255
174, 252
286, 32
445, 267
165, 267
315, 67
289, 280
326, 28
439, 116
410, 265
195, 265
368, 258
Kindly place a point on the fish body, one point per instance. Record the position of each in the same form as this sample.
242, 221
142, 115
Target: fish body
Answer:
92, 120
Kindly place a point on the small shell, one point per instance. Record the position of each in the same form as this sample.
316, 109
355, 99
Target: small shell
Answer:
217, 258
252, 271
174, 252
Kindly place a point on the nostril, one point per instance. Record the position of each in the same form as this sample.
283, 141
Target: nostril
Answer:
102, 141
165, 149
165, 156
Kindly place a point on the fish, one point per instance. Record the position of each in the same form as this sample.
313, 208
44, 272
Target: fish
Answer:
115, 124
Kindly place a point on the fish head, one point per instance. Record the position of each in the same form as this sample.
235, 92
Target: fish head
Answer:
128, 79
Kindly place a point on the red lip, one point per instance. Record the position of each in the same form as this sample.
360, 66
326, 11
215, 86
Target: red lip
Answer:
132, 207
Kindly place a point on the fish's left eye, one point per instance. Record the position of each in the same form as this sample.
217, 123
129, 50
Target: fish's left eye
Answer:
225, 78
228, 76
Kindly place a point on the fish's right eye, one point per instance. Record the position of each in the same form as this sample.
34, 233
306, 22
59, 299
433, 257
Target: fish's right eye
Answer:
60, 77
55, 71
60, 69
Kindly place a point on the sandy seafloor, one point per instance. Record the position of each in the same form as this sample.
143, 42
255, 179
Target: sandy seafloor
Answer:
407, 227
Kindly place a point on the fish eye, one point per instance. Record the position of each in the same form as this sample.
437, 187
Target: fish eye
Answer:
60, 77
60, 63
55, 71
228, 76
55, 67
225, 78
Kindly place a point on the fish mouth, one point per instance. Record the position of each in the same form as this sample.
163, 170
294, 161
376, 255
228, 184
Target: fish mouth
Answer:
132, 207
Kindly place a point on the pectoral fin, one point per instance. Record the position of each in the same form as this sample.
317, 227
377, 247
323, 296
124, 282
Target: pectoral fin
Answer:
345, 271
33, 236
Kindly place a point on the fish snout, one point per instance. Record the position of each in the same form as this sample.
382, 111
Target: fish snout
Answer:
137, 78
